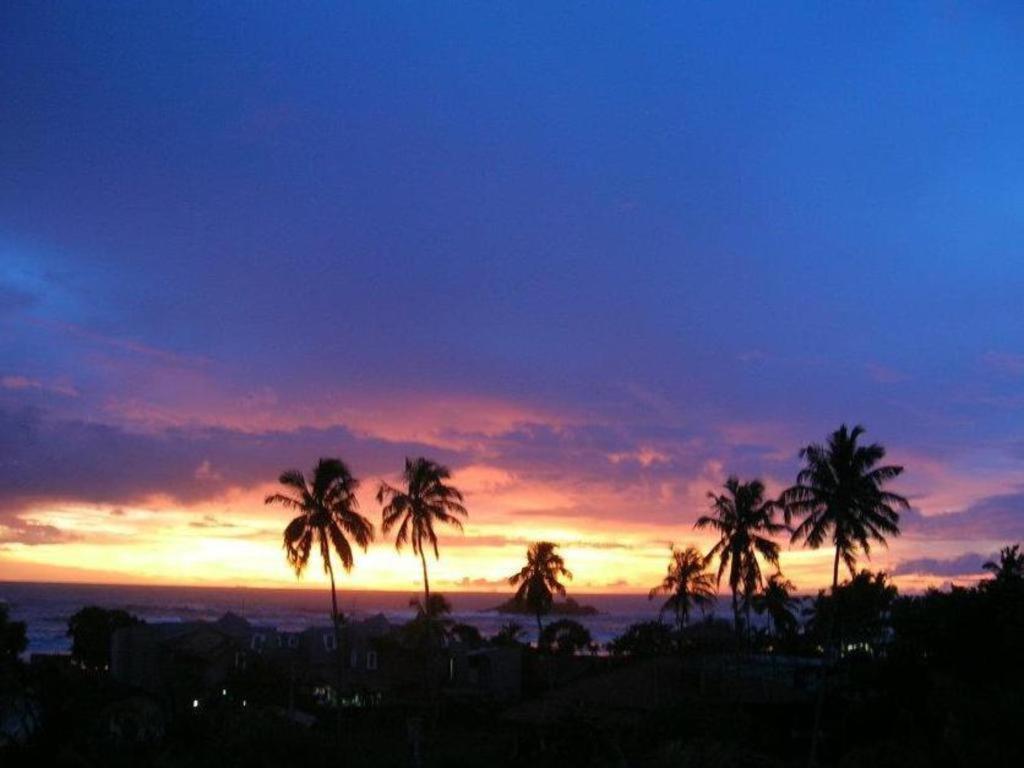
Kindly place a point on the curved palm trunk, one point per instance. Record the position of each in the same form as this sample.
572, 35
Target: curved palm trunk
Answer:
334, 596
540, 629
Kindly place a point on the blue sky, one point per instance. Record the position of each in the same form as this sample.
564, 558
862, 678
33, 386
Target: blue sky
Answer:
521, 238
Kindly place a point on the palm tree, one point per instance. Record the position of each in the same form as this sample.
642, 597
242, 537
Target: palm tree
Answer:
431, 623
327, 517
1010, 567
538, 580
425, 499
742, 517
840, 494
687, 585
508, 634
776, 600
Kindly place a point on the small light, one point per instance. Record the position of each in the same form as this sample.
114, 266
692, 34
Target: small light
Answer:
223, 691
245, 703
195, 703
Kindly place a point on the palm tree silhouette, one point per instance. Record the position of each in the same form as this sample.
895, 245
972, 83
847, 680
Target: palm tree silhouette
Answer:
435, 607
687, 584
328, 516
741, 517
840, 494
425, 499
510, 633
538, 580
1010, 568
776, 600
432, 623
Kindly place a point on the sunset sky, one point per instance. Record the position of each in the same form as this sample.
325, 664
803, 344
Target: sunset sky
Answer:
593, 261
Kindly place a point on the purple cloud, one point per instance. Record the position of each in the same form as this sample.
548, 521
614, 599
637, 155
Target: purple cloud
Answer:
993, 517
968, 564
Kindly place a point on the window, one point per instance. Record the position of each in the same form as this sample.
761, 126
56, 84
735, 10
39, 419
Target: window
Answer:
330, 642
371, 660
293, 641
258, 641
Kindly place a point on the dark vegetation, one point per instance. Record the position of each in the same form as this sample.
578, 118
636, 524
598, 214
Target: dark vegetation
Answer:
857, 675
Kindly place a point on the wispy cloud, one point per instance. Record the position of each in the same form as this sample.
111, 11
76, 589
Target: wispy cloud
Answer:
19, 383
17, 530
968, 564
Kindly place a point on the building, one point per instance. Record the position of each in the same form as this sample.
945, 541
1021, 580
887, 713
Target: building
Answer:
185, 663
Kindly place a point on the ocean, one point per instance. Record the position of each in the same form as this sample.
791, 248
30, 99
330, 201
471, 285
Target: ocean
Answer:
46, 608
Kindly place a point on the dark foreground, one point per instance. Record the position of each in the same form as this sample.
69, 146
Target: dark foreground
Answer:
934, 680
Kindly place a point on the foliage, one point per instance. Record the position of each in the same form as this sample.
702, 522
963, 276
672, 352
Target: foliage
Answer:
539, 579
565, 637
859, 607
328, 515
467, 634
91, 630
687, 585
510, 633
431, 623
644, 639
13, 639
1010, 568
840, 494
425, 499
776, 601
743, 519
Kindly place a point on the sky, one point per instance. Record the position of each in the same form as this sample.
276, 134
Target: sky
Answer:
593, 258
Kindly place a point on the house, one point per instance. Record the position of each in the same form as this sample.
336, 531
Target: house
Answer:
187, 660
185, 663
494, 674
177, 661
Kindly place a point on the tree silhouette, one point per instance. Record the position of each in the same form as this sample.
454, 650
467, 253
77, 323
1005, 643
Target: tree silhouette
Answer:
538, 580
775, 600
435, 608
467, 634
91, 629
645, 639
431, 623
13, 638
687, 584
327, 516
840, 494
565, 637
510, 633
860, 606
743, 520
1010, 568
425, 499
